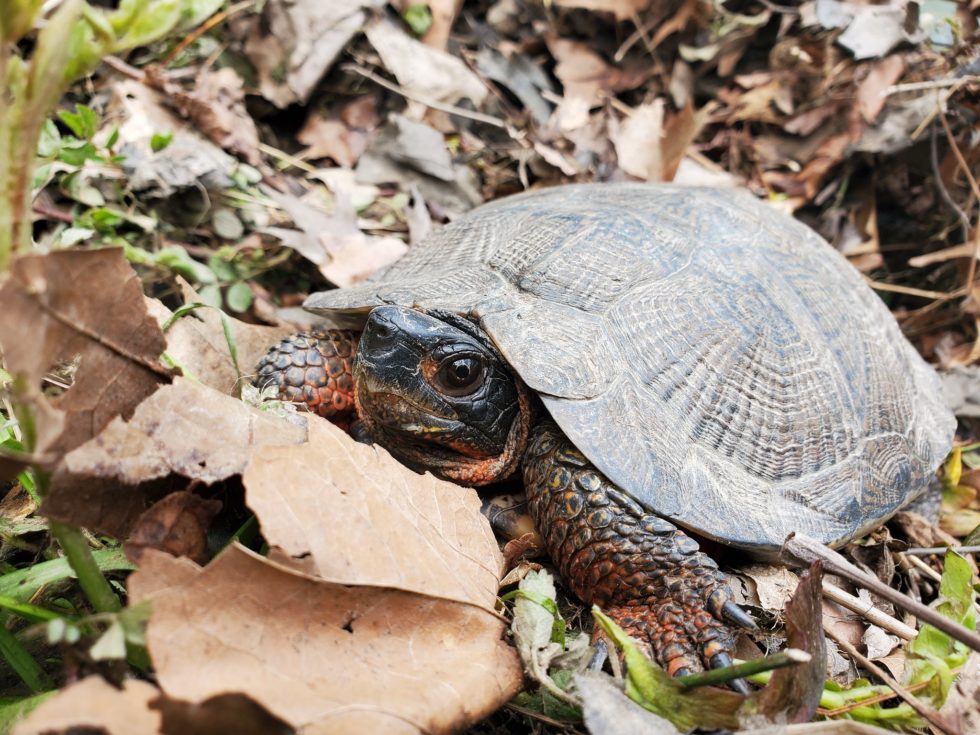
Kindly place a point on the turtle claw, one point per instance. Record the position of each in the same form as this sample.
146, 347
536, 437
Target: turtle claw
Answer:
723, 660
737, 616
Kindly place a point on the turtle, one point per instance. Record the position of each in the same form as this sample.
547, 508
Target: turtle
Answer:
659, 362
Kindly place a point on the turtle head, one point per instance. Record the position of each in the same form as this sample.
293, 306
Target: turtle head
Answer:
433, 390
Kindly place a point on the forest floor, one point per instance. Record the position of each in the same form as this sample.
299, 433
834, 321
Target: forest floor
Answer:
265, 573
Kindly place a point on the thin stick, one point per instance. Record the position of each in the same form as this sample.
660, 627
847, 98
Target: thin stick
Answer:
908, 291
868, 611
931, 573
935, 84
435, 105
803, 550
787, 657
927, 712
929, 551
205, 27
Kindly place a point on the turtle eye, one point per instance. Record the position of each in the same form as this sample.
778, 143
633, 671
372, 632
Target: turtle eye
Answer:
460, 376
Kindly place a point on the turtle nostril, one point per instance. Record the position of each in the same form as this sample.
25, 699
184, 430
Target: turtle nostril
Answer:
379, 330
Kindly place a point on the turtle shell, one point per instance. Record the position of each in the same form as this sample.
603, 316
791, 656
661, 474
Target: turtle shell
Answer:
712, 356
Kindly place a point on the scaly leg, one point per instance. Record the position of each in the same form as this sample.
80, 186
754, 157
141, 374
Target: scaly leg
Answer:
314, 369
645, 573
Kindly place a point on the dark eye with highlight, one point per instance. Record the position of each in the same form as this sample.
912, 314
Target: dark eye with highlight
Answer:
460, 376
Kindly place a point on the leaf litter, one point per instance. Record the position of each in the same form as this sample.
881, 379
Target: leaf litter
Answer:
832, 110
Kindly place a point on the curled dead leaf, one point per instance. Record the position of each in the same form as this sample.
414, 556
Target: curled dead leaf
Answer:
84, 307
184, 429
360, 517
323, 657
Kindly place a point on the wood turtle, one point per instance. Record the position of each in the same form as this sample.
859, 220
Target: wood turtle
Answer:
651, 358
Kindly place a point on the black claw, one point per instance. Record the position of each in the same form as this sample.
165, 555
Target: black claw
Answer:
720, 660
741, 686
734, 614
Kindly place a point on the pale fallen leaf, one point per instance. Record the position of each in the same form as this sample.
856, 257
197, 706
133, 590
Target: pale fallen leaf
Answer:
323, 657
58, 309
870, 92
650, 147
391, 526
878, 643
190, 163
608, 711
774, 585
333, 242
295, 42
216, 106
93, 704
184, 429
424, 72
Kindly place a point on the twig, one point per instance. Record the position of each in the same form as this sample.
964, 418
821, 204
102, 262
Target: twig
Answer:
911, 689
435, 105
933, 84
868, 611
930, 572
205, 27
787, 657
929, 551
803, 550
908, 291
127, 70
928, 713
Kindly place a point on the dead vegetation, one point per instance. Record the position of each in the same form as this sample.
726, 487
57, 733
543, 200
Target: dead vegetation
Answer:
189, 192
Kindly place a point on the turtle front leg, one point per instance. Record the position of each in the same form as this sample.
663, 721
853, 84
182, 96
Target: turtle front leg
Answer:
645, 573
314, 369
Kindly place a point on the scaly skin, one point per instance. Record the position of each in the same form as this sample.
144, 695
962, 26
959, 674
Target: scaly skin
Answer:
640, 569
314, 369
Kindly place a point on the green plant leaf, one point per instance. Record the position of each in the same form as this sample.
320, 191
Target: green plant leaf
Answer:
239, 297
21, 661
649, 686
418, 17
159, 141
933, 654
83, 122
23, 584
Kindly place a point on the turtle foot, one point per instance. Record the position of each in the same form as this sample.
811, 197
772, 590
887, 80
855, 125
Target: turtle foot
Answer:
683, 639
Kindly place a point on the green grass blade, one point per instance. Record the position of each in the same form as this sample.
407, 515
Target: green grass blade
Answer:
22, 662
23, 584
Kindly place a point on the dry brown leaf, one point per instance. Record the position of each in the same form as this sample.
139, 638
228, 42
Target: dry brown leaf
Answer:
329, 139
94, 705
216, 106
184, 429
333, 242
177, 524
774, 585
638, 142
883, 74
323, 657
584, 77
390, 526
197, 343
424, 72
295, 42
85, 306
651, 148
444, 14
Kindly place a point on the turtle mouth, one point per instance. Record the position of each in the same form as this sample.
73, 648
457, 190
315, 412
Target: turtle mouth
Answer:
411, 430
